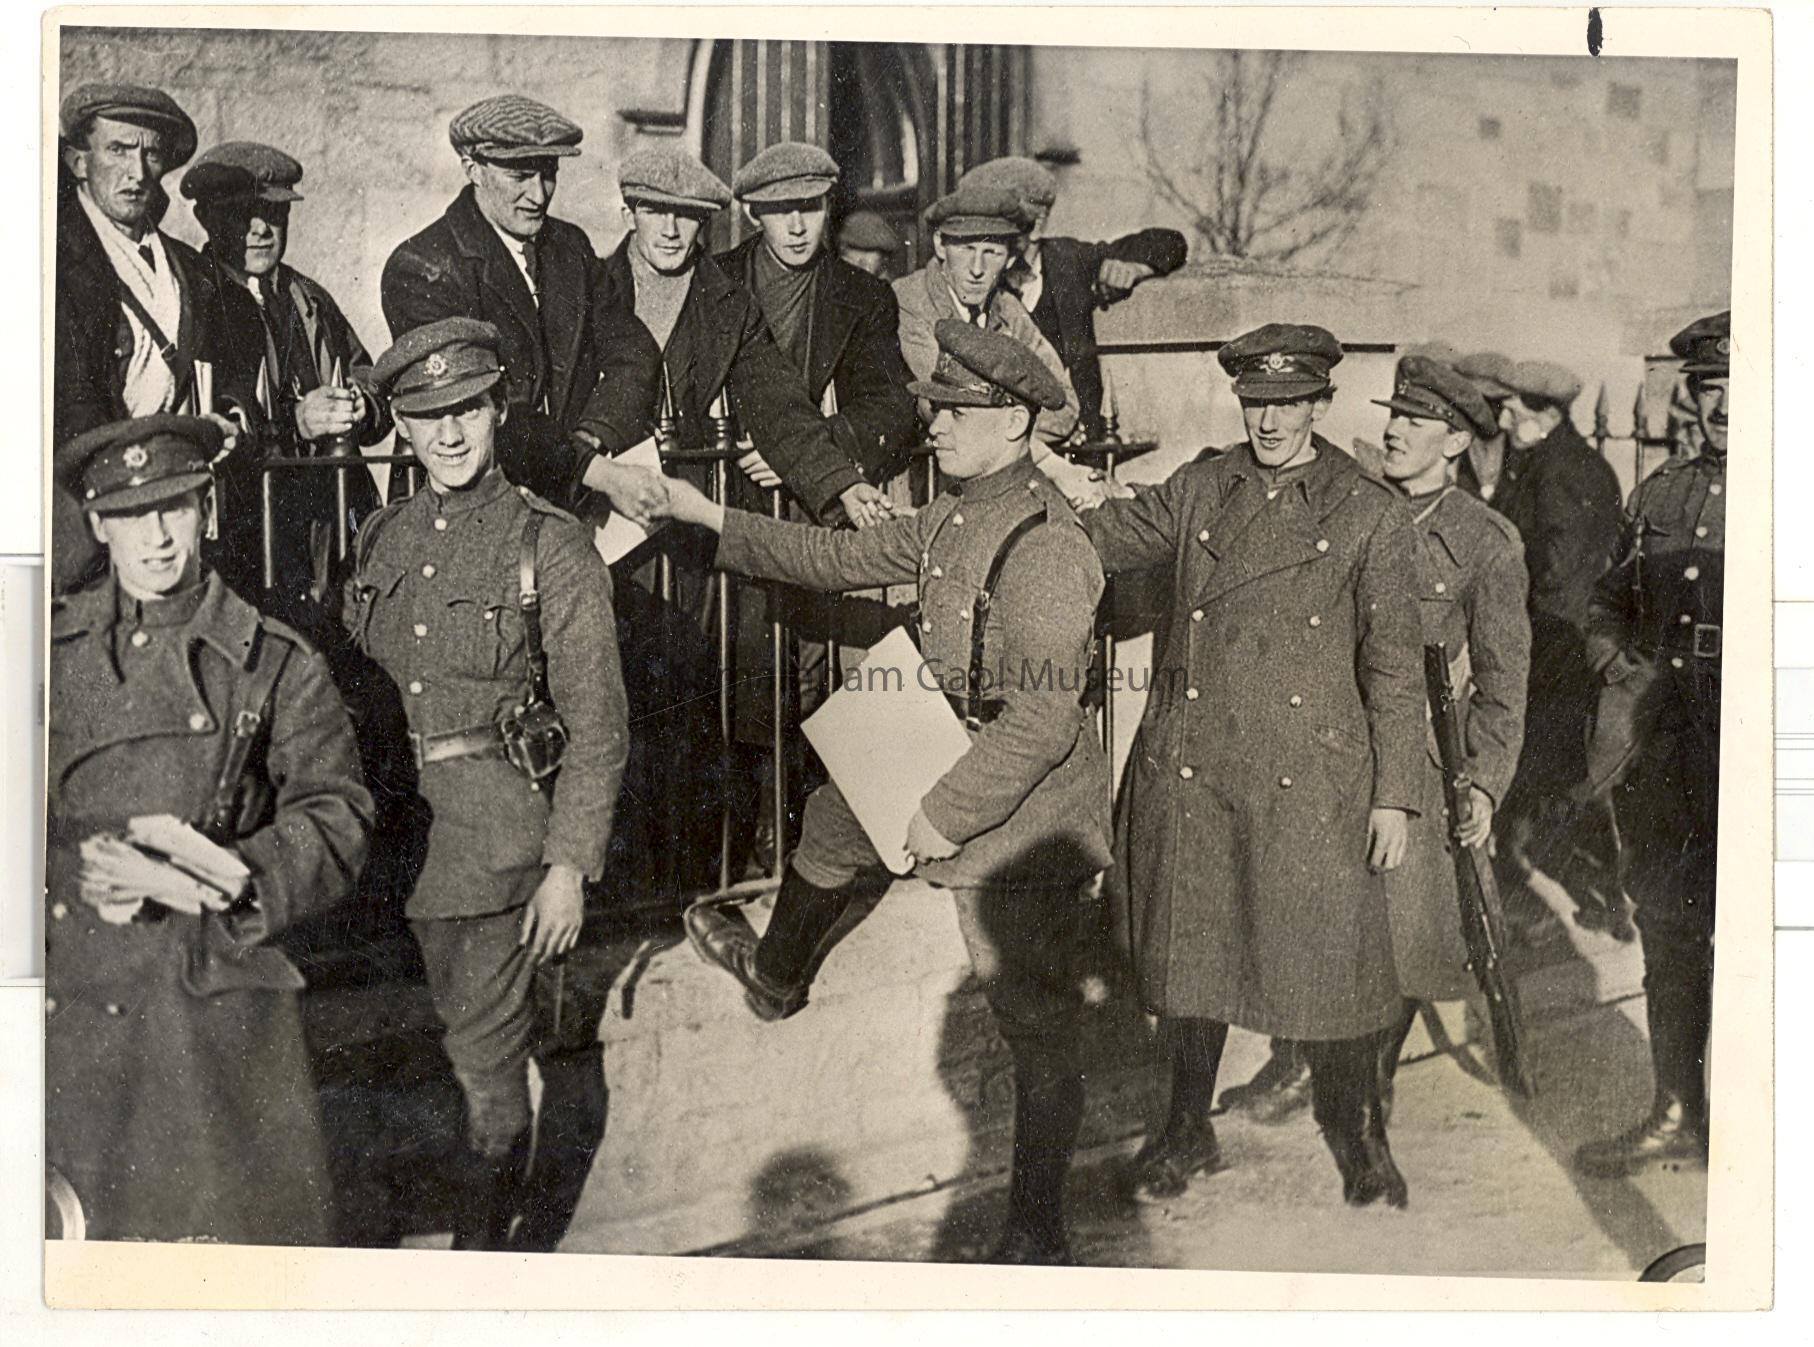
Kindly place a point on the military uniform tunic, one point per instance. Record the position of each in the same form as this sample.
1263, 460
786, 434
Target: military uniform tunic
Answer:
1472, 592
179, 1096
1655, 629
1286, 703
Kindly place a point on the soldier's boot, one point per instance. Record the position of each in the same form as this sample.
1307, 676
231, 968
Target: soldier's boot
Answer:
1346, 1103
1391, 1048
1278, 1089
1674, 1131
488, 1198
1186, 1146
776, 971
1048, 1110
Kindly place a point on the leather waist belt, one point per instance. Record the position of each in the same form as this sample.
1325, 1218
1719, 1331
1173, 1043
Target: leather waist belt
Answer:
477, 742
985, 710
1702, 640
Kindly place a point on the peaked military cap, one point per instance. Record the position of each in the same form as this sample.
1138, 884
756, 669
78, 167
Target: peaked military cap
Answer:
977, 368
243, 170
865, 229
1489, 370
789, 171
1281, 361
136, 103
1029, 179
1428, 388
513, 127
129, 464
977, 212
1442, 351
1545, 379
440, 364
662, 176
1705, 345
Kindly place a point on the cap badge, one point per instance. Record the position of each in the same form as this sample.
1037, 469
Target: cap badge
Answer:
1275, 361
435, 366
135, 456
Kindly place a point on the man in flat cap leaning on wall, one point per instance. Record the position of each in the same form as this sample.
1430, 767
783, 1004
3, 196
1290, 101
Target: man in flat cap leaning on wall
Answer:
1062, 281
579, 372
243, 193
135, 308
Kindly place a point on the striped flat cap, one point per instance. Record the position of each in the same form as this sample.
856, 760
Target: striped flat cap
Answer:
659, 175
513, 127
867, 230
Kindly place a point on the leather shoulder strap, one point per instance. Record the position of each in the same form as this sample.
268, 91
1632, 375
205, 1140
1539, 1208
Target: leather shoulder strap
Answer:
269, 658
529, 599
980, 611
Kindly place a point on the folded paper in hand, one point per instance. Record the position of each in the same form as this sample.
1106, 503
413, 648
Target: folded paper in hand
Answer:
618, 536
886, 737
163, 860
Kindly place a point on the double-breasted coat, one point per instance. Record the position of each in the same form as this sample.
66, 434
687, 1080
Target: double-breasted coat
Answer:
577, 361
180, 1099
1027, 799
1286, 703
1471, 594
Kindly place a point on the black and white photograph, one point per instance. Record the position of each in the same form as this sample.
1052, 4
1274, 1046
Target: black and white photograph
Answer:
776, 645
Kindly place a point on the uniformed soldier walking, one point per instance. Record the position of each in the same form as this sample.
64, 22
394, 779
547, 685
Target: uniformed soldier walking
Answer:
1654, 634
1471, 591
441, 602
1007, 582
1274, 778
180, 1102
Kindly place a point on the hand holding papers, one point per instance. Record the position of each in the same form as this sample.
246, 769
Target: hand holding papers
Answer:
887, 701
634, 501
163, 860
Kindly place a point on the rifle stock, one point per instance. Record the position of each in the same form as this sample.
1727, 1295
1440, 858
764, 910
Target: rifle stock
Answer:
1475, 890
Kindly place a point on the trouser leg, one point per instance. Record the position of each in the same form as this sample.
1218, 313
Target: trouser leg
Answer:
1391, 1048
1186, 1146
1345, 1099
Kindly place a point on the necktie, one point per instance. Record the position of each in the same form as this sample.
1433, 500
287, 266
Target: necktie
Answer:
148, 257
532, 263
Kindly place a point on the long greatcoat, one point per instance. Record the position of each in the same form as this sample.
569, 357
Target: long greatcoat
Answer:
1471, 592
179, 1097
1286, 704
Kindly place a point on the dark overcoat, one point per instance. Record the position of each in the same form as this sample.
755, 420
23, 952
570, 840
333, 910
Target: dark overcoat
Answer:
1286, 703
581, 362
1029, 797
180, 1100
1563, 498
1471, 592
1656, 625
855, 348
1066, 309
93, 345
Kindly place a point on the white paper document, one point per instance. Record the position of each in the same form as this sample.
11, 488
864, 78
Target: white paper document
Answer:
886, 737
617, 537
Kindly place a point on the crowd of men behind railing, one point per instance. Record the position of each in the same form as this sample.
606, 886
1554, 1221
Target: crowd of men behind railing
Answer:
230, 586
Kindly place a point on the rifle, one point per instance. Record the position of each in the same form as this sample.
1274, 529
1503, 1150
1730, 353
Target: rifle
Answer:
1475, 891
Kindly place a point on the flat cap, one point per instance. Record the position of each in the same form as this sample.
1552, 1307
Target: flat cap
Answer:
126, 465
136, 103
1281, 361
977, 368
440, 364
1705, 345
662, 176
243, 170
1545, 379
513, 127
869, 231
1430, 389
1029, 179
1443, 351
1489, 370
788, 171
978, 212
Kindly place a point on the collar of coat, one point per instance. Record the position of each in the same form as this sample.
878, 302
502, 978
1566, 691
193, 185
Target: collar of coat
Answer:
223, 620
712, 291
1462, 524
1331, 478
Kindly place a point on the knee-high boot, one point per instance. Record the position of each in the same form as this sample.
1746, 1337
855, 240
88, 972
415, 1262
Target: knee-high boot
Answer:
1048, 1110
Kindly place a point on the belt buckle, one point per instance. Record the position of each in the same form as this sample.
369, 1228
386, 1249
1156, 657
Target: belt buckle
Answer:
1707, 640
